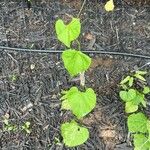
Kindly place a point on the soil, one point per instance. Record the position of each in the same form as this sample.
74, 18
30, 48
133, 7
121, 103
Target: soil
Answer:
30, 83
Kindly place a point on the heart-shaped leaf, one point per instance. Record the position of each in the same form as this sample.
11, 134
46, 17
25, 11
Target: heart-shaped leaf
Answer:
67, 33
137, 123
127, 95
80, 103
139, 98
132, 98
75, 61
73, 134
130, 107
141, 142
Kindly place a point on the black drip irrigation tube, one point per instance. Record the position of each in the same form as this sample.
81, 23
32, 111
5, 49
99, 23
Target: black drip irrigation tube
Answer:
3, 48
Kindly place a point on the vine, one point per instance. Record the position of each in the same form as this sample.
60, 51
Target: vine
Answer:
80, 103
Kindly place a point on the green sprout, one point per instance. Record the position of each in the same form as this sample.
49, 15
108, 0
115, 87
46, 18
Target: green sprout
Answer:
132, 97
13, 77
26, 127
8, 126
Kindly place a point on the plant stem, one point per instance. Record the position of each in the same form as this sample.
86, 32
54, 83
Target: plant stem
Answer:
82, 79
79, 46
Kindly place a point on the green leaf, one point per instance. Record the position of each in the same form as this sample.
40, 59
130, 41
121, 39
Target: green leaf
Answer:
148, 128
148, 125
66, 94
141, 72
75, 61
137, 123
123, 86
80, 103
139, 77
125, 80
127, 95
140, 98
73, 134
28, 131
65, 105
6, 122
10, 128
141, 142
146, 90
131, 81
27, 124
144, 103
68, 33
130, 107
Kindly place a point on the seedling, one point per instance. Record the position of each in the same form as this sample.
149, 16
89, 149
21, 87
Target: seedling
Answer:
26, 127
13, 77
11, 127
132, 97
8, 126
138, 124
129, 80
79, 103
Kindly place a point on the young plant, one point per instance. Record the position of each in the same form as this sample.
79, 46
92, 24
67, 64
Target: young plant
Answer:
132, 97
138, 124
130, 79
80, 103
13, 77
26, 127
8, 126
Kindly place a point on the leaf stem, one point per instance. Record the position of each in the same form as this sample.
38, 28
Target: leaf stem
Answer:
79, 45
